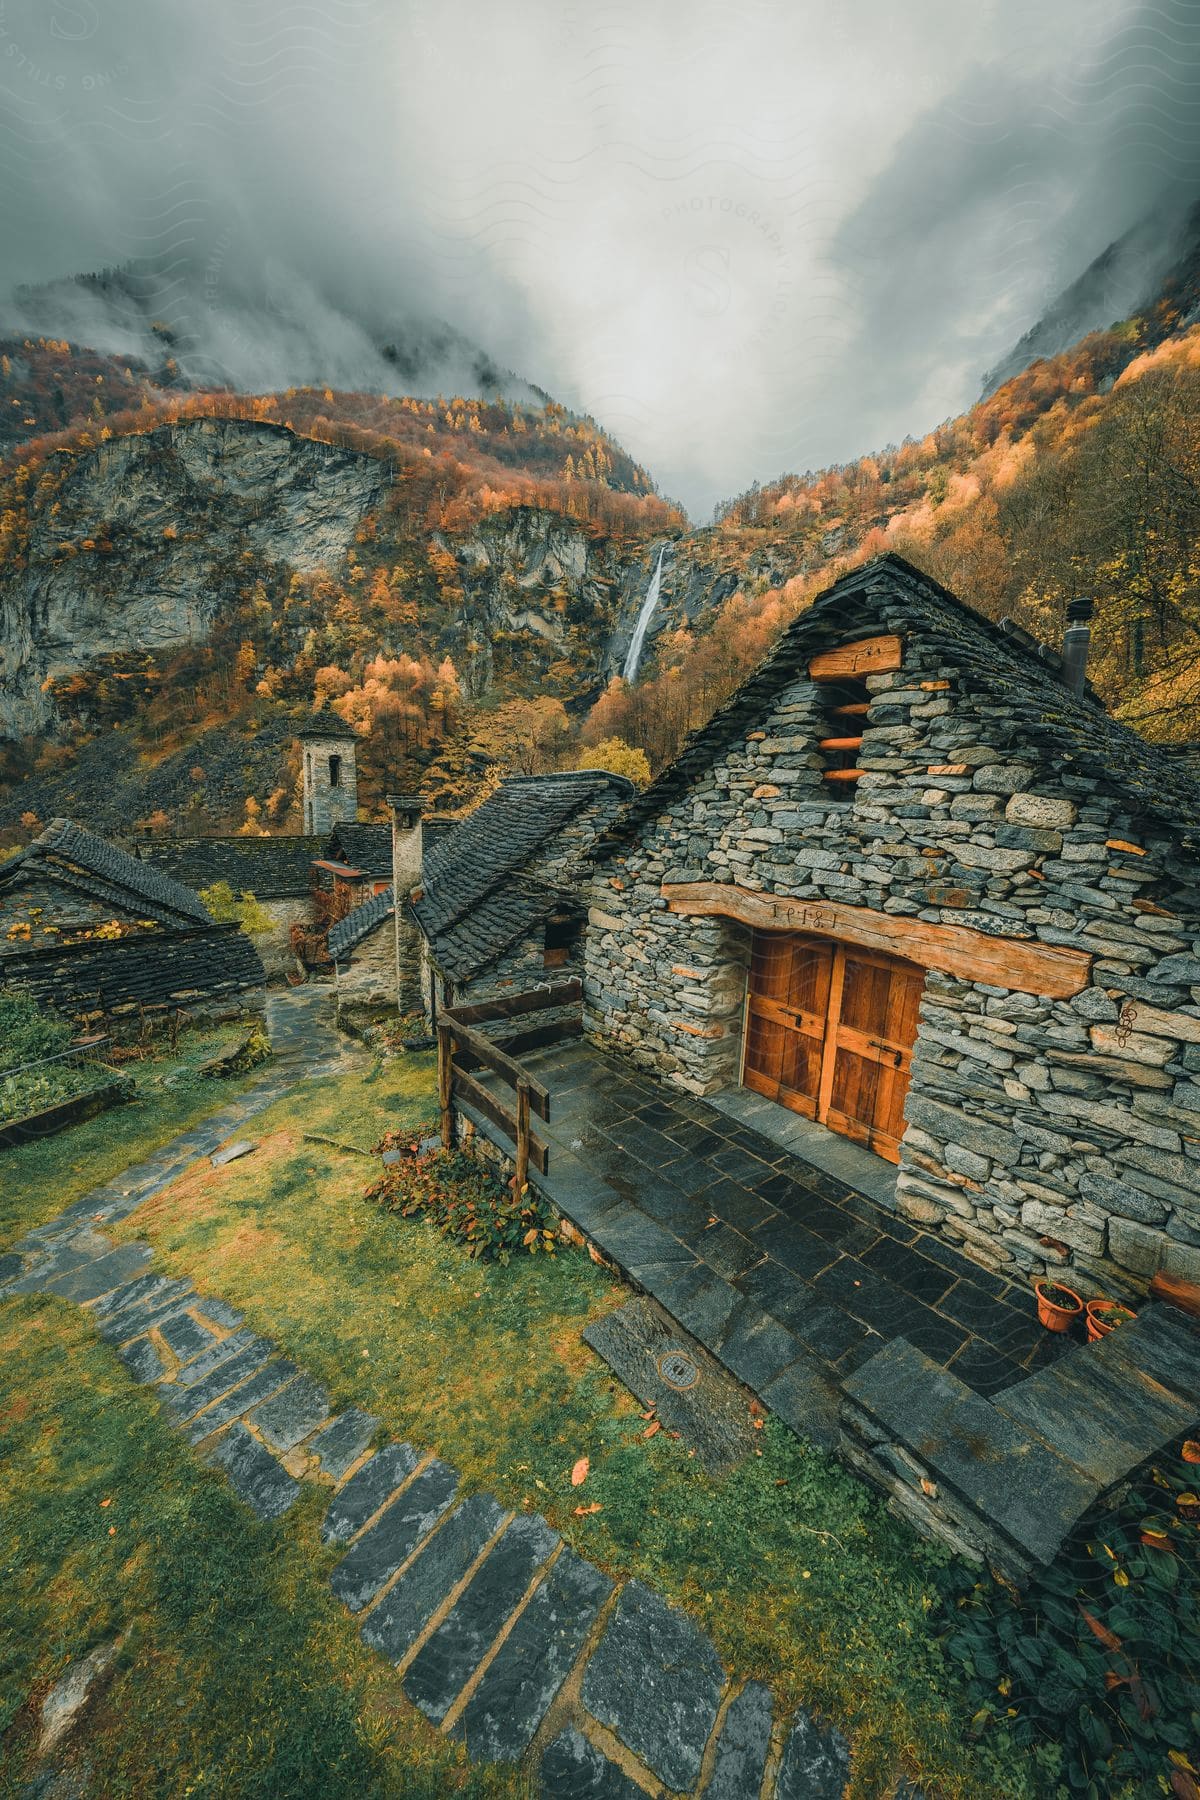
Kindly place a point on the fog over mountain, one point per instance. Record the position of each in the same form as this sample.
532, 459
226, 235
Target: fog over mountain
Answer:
745, 238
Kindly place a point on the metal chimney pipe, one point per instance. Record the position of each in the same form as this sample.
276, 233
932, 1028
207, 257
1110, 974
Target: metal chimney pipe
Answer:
1076, 642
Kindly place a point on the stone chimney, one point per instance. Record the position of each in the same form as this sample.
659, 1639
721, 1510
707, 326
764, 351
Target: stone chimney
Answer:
330, 774
1076, 642
407, 856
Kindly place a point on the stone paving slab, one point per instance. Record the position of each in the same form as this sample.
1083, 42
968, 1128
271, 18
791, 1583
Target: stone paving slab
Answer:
711, 1415
399, 1529
394, 1626
220, 1312
573, 1769
143, 1359
741, 1758
238, 1401
366, 1492
500, 1720
99, 1275
131, 1321
1017, 1484
188, 1397
447, 1660
254, 1474
144, 1291
338, 1445
292, 1415
186, 1337
655, 1680
815, 1764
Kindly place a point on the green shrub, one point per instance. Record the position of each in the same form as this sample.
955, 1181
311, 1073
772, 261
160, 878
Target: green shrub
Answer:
28, 1032
229, 908
1101, 1654
466, 1203
36, 1089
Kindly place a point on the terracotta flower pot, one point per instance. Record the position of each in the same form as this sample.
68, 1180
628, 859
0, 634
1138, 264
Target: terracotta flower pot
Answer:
1104, 1316
1058, 1306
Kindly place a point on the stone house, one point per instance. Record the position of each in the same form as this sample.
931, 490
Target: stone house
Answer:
909, 885
278, 871
499, 908
99, 934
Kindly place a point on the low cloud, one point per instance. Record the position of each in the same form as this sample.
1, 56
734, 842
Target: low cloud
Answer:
745, 238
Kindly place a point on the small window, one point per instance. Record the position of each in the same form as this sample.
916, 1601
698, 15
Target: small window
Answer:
562, 936
335, 771
845, 705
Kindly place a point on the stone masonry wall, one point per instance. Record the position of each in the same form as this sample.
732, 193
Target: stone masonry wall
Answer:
1041, 1134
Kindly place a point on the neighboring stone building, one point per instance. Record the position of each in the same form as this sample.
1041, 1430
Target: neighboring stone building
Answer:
498, 907
907, 884
97, 933
330, 773
278, 871
366, 847
377, 957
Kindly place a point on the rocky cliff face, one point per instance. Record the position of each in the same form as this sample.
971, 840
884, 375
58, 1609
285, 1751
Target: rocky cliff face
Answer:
150, 536
150, 539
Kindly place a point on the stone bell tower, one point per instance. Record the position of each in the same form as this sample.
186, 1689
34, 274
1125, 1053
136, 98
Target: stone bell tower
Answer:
330, 774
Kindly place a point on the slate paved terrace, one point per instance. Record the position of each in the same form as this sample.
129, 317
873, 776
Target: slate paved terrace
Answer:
720, 1224
927, 1373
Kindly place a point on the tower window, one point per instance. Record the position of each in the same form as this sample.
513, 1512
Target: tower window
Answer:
335, 771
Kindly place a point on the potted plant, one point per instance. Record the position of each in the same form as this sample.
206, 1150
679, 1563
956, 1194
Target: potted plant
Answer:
1058, 1306
1104, 1316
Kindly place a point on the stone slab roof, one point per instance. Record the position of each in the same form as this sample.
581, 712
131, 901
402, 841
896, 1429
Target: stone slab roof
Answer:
488, 881
67, 854
270, 868
360, 923
1049, 722
155, 970
324, 725
367, 847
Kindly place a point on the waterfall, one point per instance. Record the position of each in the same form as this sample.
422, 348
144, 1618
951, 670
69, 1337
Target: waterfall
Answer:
634, 654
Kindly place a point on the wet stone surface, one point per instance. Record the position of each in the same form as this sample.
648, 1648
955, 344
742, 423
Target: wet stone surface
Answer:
188, 1397
742, 1747
366, 1491
668, 1370
572, 1769
405, 1610
397, 1532
655, 1680
185, 1337
254, 1474
815, 1763
441, 1669
499, 1721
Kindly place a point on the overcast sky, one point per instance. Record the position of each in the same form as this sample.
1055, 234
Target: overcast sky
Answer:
747, 236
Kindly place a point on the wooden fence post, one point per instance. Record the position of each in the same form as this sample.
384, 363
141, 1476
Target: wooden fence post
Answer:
522, 1175
445, 1085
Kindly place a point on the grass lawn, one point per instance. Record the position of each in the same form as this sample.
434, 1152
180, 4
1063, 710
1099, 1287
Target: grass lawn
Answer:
38, 1180
790, 1563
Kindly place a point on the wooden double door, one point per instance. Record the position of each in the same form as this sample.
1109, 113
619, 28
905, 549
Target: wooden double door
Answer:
829, 1032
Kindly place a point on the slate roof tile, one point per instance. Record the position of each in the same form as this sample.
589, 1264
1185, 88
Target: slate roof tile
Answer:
360, 923
498, 873
66, 853
270, 868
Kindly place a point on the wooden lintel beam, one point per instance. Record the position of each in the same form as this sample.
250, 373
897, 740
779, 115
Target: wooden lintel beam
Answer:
869, 656
1020, 964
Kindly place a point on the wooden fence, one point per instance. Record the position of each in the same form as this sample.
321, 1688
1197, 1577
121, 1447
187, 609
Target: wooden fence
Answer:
463, 1050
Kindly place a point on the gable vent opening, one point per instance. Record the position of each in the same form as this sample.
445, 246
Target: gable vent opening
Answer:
845, 705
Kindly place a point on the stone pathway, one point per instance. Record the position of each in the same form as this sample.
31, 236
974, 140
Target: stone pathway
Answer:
504, 1637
